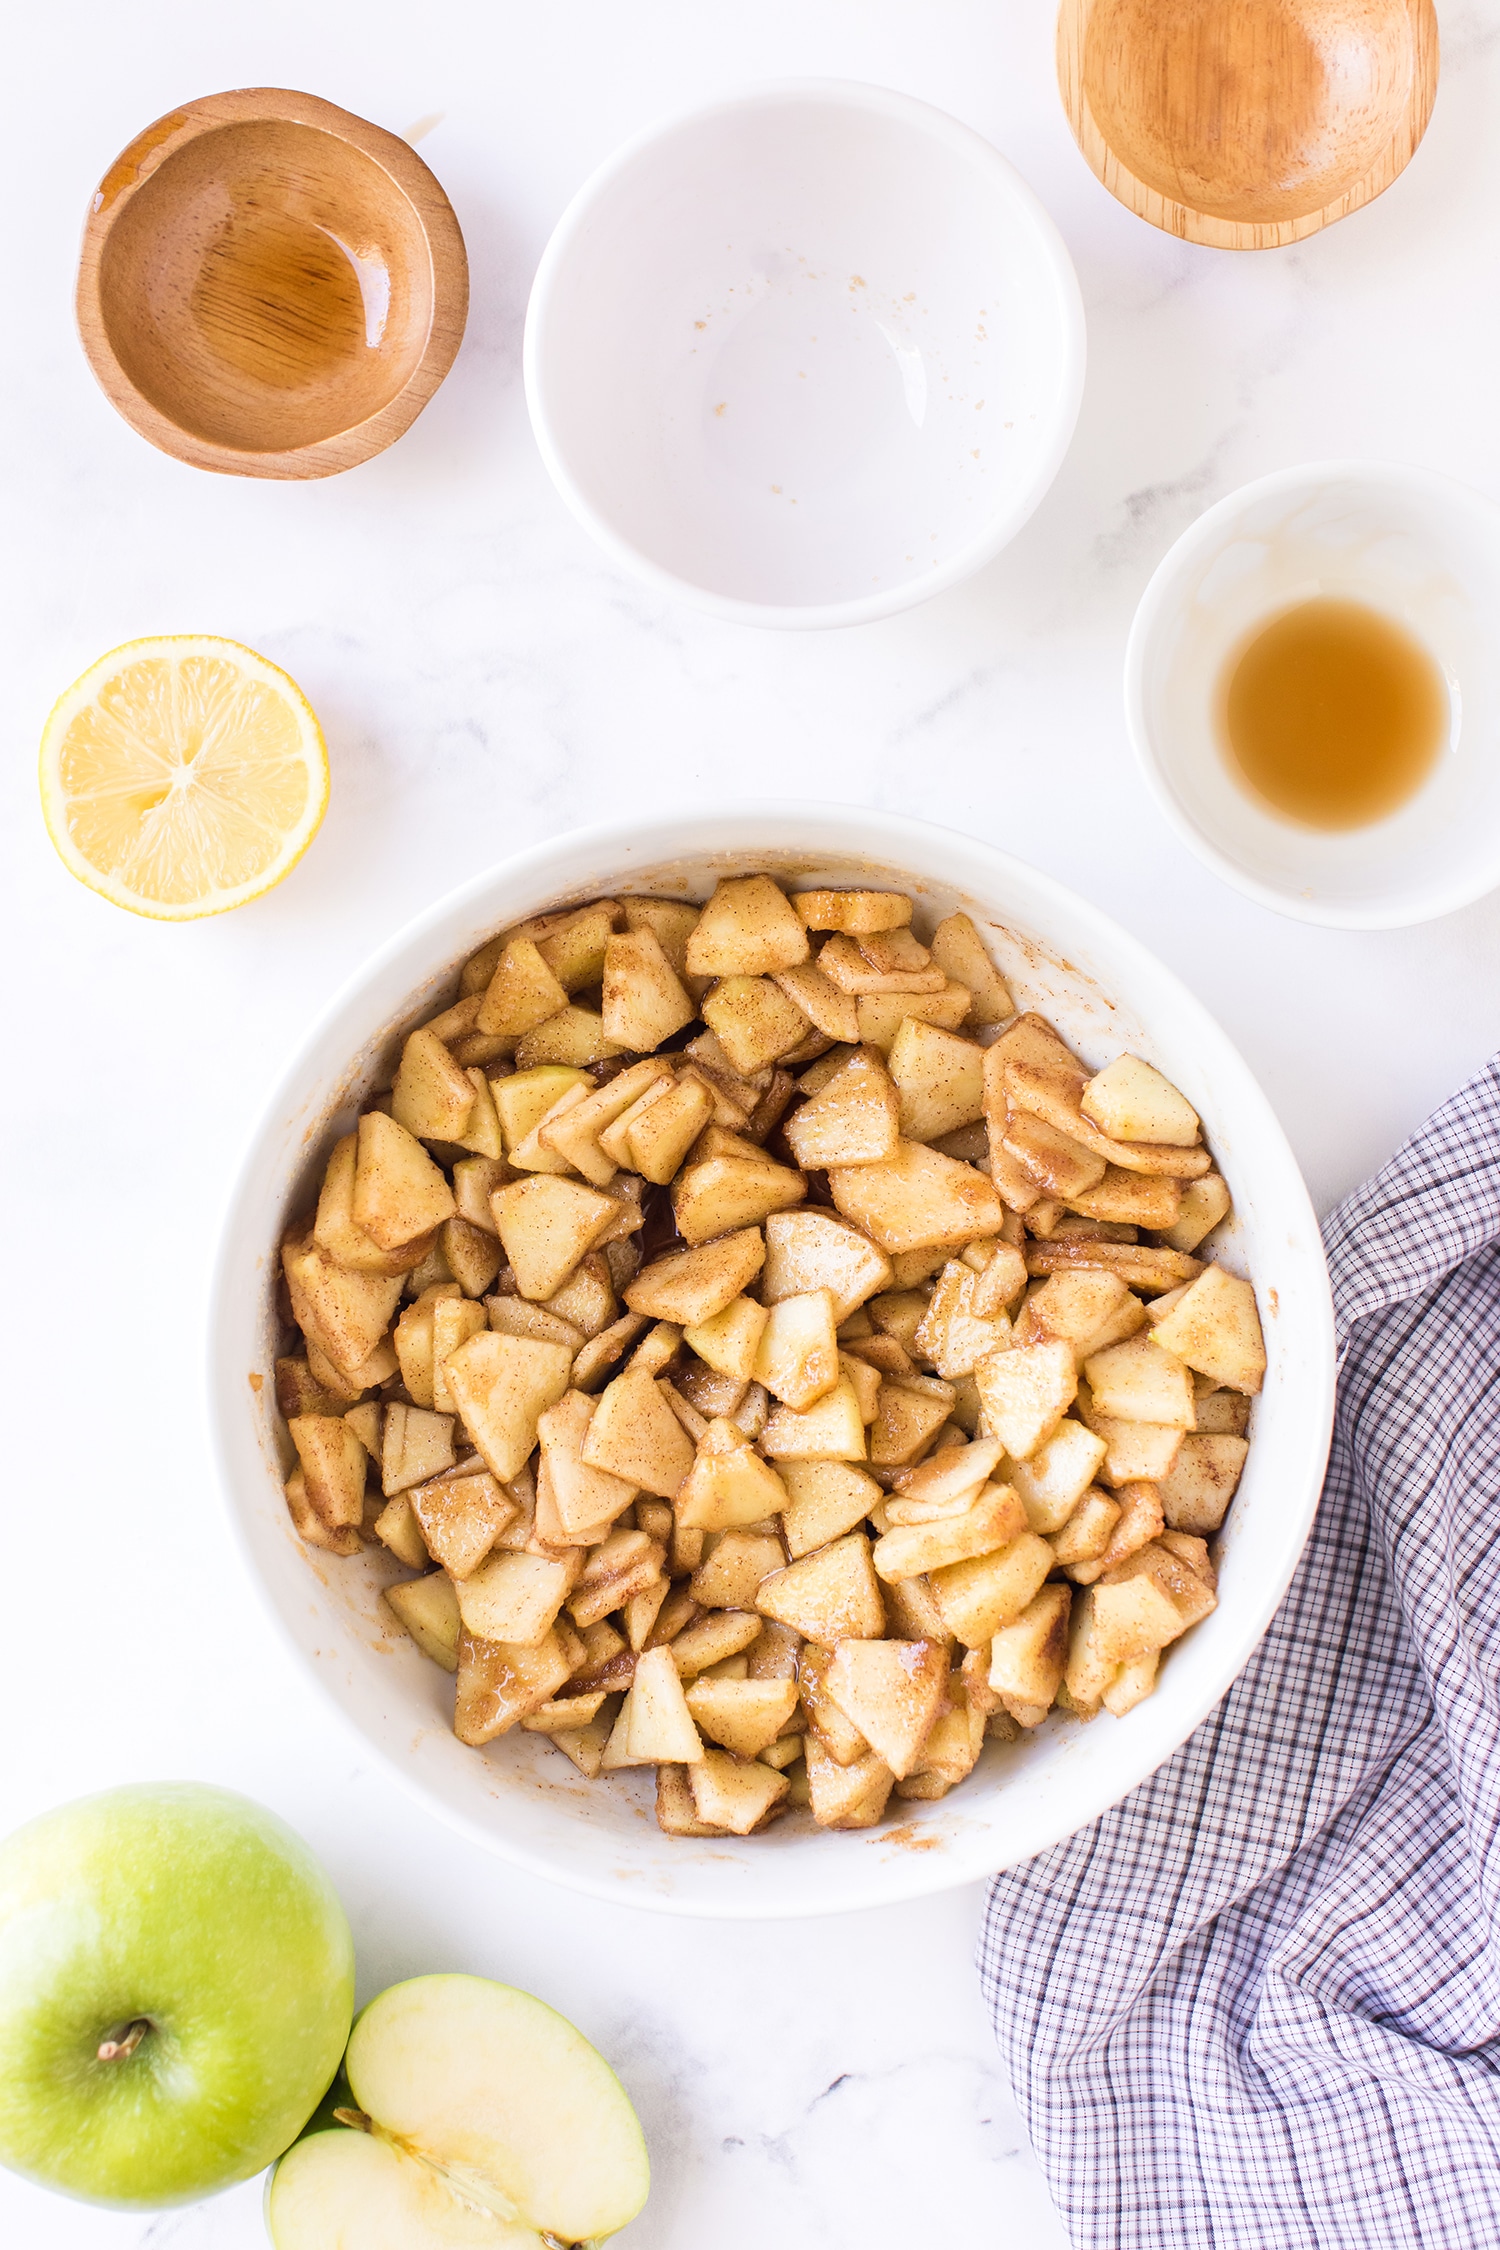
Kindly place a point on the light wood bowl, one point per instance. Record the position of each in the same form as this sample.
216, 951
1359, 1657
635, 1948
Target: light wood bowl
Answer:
270, 286
1247, 124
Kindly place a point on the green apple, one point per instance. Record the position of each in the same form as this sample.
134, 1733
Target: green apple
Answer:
482, 2118
176, 1984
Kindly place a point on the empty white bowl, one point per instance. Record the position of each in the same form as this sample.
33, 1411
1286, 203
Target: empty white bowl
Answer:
520, 1797
1416, 546
805, 357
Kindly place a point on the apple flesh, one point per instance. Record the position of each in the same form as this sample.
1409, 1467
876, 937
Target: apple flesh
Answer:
479, 2116
176, 1984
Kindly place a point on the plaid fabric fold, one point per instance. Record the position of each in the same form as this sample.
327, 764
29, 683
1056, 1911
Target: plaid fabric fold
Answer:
1258, 2003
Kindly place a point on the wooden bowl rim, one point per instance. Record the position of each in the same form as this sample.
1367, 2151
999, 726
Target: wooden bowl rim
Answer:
167, 136
1193, 225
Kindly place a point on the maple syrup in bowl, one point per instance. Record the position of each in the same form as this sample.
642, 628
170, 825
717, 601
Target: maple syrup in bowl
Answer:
1314, 697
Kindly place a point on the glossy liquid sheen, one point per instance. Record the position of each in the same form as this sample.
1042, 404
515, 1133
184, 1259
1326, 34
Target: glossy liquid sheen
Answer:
1332, 714
281, 300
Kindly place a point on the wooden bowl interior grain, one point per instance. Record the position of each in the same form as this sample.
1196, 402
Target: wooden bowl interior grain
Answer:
267, 287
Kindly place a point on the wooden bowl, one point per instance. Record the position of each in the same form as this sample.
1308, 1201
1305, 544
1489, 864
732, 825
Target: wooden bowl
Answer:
1246, 124
270, 286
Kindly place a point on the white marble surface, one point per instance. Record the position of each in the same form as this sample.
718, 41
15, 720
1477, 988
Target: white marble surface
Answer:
486, 679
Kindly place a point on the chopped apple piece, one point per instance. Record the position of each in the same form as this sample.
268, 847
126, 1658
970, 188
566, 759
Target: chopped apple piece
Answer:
475, 1179
1133, 1451
1222, 1413
960, 952
413, 1340
345, 1313
728, 1578
856, 913
416, 1445
334, 1229
671, 921
502, 1385
831, 1596
574, 1036
427, 1608
892, 1691
729, 1485
676, 1814
1059, 1165
399, 1193
499, 1682
574, 1134
728, 1193
528, 1097
333, 1467
899, 1313
644, 1002
691, 1286
454, 1321
729, 1339
366, 1422
569, 1714
1140, 1521
798, 1356
432, 1097
745, 1716
661, 1729
830, 1010
299, 1392
1058, 1474
887, 962
1197, 1489
522, 993
660, 1136
1203, 1204
881, 1014
865, 1378
811, 1249
513, 1316
1028, 1655
473, 1255
833, 1429
1039, 1093
460, 1518
979, 1596
1132, 1102
737, 1795
546, 1226
852, 1796
482, 1132
945, 1485
574, 948
710, 1640
1136, 1199
951, 1335
1086, 1535
919, 1200
634, 1435
939, 1080
747, 929
1140, 1381
993, 1520
515, 1597
1025, 1393
344, 1540
754, 1021
1136, 1264
852, 1120
619, 1568
1216, 1329
910, 1411
583, 1496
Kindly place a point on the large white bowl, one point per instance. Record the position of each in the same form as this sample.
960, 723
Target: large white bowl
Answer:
1414, 545
520, 1797
805, 357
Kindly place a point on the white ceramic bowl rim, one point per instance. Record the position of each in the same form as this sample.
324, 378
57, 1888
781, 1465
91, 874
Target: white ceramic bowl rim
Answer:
877, 101
880, 1866
1154, 605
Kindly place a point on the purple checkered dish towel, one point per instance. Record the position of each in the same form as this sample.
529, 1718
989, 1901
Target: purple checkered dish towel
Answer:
1257, 2005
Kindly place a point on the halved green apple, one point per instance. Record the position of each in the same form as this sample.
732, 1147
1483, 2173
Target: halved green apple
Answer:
481, 2121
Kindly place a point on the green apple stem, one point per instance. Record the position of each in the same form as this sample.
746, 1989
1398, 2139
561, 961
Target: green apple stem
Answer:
116, 2050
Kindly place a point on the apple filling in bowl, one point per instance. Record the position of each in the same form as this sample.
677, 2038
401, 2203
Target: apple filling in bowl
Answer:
780, 1362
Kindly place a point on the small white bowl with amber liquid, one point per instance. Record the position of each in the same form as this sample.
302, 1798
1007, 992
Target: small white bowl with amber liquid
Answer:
1312, 687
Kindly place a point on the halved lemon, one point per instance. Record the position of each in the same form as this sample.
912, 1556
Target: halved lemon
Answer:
182, 776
